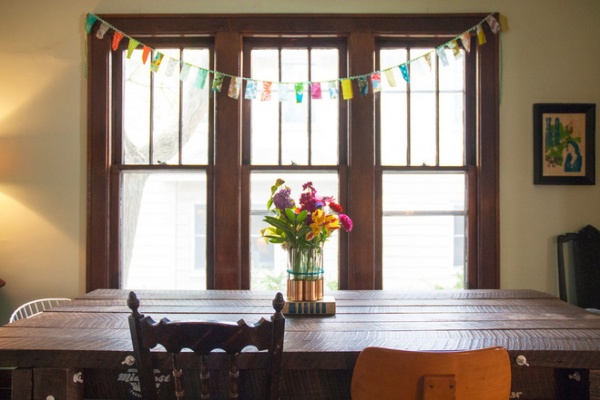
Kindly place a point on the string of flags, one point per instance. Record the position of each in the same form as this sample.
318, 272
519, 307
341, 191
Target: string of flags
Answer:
265, 90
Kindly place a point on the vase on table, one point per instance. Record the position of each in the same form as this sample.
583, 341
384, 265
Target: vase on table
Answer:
305, 273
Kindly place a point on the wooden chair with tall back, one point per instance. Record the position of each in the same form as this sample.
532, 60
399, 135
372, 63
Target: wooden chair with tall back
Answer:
579, 268
386, 374
202, 337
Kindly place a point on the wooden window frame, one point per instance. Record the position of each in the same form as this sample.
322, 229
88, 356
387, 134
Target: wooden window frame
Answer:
361, 262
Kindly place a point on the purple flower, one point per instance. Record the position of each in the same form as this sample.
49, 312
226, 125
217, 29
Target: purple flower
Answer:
282, 199
346, 222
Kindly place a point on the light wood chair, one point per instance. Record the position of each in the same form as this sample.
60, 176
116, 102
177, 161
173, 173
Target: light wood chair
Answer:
36, 307
202, 337
386, 374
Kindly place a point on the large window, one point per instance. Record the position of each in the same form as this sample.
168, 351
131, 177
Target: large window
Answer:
180, 174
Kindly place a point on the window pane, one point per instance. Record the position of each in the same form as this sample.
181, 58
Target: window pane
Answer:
423, 113
324, 111
163, 230
290, 135
165, 115
452, 102
423, 230
195, 112
393, 112
268, 261
136, 110
265, 114
294, 118
158, 106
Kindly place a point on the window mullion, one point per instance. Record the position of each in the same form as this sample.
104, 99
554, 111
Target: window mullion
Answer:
151, 123
437, 116
180, 115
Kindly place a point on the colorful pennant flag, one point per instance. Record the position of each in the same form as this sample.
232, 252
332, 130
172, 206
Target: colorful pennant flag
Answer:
299, 90
156, 61
376, 82
185, 71
133, 44
266, 91
250, 90
363, 85
332, 86
503, 23
89, 22
315, 91
117, 37
404, 70
389, 76
493, 23
465, 38
171, 67
234, 87
201, 78
347, 93
145, 53
480, 35
427, 60
217, 81
104, 27
455, 49
441, 53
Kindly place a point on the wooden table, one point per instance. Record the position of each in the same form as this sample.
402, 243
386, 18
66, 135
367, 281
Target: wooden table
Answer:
78, 349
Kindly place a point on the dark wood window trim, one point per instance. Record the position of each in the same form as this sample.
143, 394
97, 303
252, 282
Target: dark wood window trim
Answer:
229, 268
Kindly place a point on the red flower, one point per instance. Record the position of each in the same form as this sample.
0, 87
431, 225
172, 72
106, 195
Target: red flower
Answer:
335, 207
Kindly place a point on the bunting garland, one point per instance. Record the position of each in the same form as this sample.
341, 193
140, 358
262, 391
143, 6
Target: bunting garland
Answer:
265, 90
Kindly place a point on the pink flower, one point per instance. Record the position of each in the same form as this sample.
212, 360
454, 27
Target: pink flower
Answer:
346, 222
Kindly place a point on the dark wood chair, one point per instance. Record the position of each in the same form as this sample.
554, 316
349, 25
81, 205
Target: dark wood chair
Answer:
202, 337
391, 374
579, 268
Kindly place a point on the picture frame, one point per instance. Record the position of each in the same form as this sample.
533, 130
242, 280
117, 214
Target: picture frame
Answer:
564, 144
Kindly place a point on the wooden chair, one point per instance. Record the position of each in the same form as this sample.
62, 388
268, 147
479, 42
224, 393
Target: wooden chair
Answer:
202, 337
386, 374
579, 268
35, 307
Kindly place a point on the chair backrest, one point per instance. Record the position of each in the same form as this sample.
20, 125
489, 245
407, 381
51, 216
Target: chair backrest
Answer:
579, 267
202, 337
35, 307
386, 374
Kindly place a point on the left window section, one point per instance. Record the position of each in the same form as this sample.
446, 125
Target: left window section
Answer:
161, 165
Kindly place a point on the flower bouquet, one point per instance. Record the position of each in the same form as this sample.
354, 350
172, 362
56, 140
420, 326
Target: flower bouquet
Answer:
302, 229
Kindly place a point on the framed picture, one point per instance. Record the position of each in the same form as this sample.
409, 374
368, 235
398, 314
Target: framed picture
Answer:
563, 144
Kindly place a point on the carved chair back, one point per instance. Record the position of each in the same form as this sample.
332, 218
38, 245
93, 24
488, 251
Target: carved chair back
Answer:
202, 337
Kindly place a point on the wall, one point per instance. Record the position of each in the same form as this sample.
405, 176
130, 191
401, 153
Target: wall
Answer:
550, 55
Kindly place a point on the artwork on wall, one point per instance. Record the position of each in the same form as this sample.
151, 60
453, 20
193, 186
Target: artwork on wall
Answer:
563, 146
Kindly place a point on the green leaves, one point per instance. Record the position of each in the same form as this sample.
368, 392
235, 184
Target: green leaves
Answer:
287, 227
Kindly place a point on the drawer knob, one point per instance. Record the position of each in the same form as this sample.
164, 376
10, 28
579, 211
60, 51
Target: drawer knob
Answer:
129, 360
522, 361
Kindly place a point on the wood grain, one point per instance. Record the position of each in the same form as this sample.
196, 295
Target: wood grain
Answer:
91, 333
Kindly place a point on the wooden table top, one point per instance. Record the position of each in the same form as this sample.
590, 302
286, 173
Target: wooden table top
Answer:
92, 331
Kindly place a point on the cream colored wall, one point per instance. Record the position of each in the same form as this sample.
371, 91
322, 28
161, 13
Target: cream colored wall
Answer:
550, 54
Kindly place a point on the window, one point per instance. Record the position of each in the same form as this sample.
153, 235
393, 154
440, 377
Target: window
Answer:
424, 170
179, 174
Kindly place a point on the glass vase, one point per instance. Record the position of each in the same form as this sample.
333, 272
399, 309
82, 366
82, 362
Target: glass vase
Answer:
305, 273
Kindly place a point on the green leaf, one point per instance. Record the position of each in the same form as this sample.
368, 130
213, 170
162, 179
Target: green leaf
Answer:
280, 224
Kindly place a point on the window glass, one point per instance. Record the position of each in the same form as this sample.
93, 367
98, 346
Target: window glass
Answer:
162, 114
163, 230
424, 216
164, 212
269, 261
